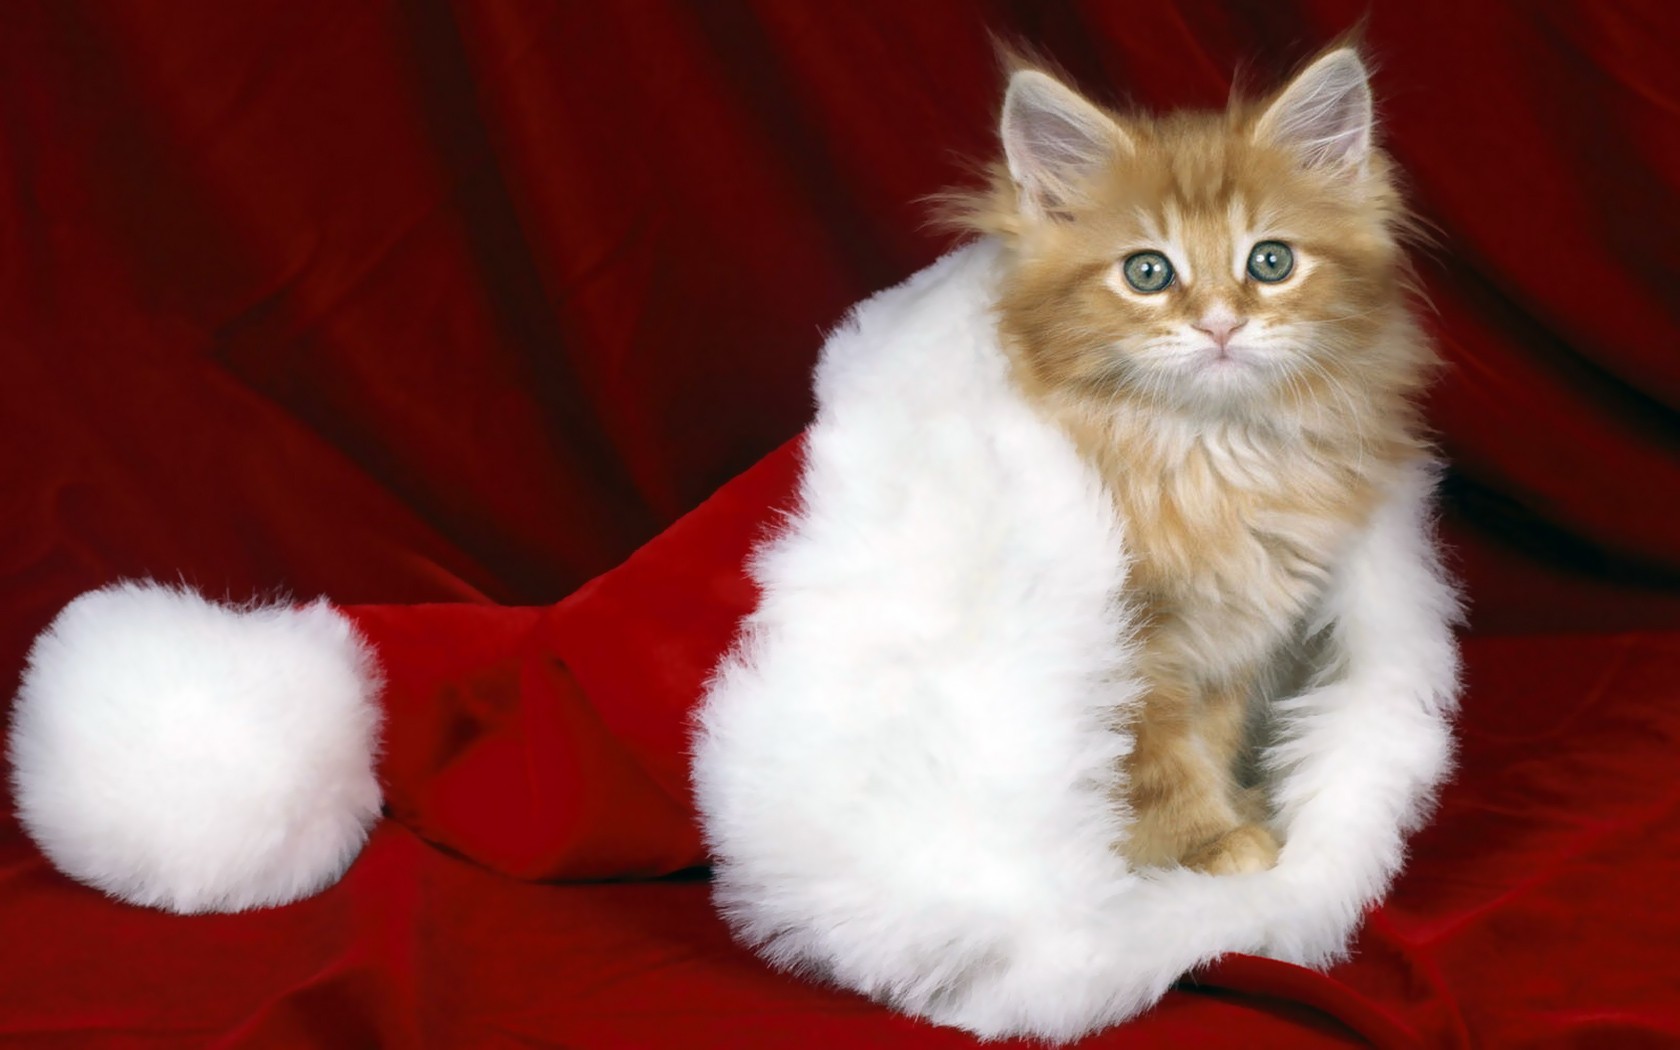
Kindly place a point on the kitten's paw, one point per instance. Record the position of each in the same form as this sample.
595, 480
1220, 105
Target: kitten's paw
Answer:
1243, 849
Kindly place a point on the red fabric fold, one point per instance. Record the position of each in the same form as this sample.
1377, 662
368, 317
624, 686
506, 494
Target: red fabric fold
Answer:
493, 750
552, 743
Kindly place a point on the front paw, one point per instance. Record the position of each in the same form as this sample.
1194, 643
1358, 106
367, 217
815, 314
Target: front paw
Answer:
1245, 848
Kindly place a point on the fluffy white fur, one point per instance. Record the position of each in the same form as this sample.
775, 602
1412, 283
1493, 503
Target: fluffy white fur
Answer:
196, 757
907, 766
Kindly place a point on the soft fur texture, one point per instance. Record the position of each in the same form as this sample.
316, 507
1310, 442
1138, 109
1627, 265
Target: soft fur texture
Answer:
907, 768
1246, 428
197, 757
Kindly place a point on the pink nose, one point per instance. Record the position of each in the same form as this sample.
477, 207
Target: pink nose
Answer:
1220, 327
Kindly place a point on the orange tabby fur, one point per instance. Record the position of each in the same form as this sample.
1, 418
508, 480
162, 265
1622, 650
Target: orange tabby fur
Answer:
1239, 484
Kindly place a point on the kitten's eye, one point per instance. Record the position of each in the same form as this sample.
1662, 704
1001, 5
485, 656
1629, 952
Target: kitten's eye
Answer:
1270, 261
1148, 272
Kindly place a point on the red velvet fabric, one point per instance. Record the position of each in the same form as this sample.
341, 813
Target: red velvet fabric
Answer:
414, 302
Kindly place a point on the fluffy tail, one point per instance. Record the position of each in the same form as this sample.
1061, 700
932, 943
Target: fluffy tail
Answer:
191, 756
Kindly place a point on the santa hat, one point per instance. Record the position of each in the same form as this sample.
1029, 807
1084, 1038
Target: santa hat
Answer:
904, 683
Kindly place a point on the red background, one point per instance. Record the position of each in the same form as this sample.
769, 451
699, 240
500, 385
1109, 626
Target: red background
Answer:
419, 302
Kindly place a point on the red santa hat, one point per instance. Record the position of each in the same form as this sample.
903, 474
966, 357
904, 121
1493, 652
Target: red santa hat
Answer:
904, 694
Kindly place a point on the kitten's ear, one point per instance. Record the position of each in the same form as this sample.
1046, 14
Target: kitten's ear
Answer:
1053, 139
1324, 115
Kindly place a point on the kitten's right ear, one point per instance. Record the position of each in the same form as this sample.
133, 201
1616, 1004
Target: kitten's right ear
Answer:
1053, 139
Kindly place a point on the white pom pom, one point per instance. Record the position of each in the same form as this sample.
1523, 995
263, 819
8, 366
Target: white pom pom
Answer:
195, 757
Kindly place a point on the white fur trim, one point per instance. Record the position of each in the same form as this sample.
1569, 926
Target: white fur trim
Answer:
195, 757
906, 767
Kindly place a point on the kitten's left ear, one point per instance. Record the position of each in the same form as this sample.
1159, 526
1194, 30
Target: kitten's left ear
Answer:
1324, 115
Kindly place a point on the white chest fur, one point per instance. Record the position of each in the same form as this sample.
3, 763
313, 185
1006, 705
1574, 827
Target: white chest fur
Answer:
1234, 533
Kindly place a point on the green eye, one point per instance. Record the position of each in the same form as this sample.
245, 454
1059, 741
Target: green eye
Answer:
1148, 272
1270, 261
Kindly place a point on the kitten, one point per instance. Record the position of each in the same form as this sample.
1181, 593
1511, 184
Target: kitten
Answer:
1214, 306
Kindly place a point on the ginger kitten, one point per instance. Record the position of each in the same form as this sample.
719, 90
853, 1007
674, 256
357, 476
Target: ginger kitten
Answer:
1214, 306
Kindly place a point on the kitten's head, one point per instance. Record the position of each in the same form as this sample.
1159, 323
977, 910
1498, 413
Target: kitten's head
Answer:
1222, 263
